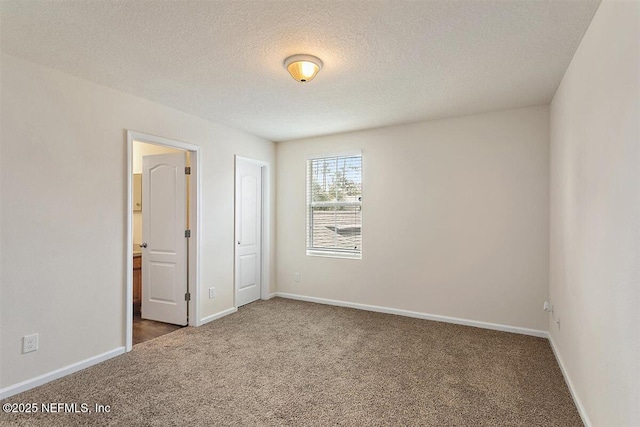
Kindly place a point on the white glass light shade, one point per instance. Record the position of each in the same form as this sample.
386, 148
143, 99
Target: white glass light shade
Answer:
303, 68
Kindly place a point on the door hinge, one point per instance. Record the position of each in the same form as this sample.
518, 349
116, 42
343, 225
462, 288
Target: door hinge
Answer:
187, 170
187, 233
187, 296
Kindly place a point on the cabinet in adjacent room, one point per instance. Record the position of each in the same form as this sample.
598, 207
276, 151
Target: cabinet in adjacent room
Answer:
137, 282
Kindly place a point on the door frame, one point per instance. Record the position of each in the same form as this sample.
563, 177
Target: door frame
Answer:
265, 243
194, 224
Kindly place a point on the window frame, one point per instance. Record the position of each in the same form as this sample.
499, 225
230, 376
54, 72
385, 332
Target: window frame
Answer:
330, 252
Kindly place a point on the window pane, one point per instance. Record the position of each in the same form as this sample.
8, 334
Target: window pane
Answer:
335, 179
337, 228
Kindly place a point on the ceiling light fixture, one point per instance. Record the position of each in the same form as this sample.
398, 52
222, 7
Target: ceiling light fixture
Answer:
303, 68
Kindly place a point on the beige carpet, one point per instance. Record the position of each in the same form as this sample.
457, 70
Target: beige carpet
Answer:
283, 362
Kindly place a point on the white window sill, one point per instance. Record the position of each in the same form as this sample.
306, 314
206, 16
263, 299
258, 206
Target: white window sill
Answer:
330, 254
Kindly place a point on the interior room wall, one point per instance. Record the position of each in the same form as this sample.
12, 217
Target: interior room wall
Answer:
140, 149
63, 212
455, 219
595, 218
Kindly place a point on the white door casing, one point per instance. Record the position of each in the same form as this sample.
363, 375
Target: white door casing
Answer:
248, 259
164, 259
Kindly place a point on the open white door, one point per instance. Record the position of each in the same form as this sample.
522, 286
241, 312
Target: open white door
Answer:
164, 247
248, 231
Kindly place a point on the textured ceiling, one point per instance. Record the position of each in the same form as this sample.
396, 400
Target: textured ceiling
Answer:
385, 62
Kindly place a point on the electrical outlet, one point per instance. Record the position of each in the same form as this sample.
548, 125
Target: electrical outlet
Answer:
29, 343
212, 293
297, 277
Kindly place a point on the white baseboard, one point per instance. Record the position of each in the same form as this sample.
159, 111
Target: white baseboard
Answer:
418, 315
271, 295
581, 410
217, 315
58, 373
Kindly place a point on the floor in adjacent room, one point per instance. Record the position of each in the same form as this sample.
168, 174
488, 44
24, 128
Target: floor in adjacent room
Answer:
285, 362
145, 330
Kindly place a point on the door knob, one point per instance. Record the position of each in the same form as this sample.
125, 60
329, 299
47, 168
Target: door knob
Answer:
143, 245
238, 241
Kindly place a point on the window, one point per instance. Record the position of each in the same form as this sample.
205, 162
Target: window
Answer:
334, 206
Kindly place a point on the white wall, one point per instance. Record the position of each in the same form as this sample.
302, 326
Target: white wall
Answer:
595, 217
455, 219
63, 212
